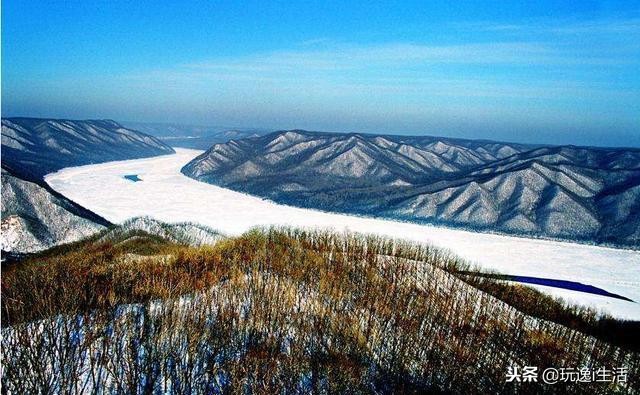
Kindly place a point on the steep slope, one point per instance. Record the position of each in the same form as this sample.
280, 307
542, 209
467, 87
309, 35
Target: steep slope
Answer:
350, 160
33, 147
35, 218
577, 193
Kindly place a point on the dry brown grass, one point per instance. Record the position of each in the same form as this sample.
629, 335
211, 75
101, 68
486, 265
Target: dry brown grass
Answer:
274, 311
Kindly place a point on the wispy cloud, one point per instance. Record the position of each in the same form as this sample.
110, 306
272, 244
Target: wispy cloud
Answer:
512, 73
409, 54
408, 64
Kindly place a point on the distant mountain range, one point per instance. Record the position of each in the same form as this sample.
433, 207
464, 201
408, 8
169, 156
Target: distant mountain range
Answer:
160, 129
206, 141
34, 217
565, 192
194, 136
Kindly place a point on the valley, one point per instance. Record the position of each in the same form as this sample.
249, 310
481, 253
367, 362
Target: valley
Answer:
320, 198
172, 197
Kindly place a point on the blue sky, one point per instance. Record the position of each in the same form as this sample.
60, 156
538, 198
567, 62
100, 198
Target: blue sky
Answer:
547, 71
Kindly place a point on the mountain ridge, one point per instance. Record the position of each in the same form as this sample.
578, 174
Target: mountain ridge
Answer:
34, 216
34, 147
559, 192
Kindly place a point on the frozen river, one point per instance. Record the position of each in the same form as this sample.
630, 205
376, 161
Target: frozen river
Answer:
164, 193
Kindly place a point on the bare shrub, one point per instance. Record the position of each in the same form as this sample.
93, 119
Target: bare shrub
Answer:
275, 311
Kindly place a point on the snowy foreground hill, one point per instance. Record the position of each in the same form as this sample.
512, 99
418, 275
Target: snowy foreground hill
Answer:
172, 197
566, 192
144, 309
34, 217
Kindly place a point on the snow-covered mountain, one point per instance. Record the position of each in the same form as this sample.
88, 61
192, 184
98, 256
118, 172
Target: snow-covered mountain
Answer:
186, 233
34, 217
33, 147
578, 193
343, 159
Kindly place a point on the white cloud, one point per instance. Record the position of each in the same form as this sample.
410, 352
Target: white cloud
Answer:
349, 57
524, 77
406, 69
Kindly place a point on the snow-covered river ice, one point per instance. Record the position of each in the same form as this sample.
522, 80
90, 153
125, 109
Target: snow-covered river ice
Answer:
166, 194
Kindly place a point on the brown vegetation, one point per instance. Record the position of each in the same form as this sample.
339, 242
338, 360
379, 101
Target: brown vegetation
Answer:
275, 311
